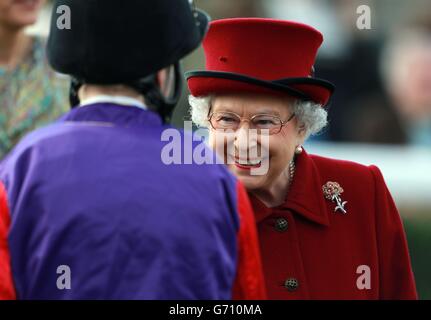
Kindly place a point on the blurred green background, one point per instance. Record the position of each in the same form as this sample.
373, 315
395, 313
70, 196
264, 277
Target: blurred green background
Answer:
352, 59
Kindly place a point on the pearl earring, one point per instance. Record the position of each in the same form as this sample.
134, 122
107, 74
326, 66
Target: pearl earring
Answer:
298, 149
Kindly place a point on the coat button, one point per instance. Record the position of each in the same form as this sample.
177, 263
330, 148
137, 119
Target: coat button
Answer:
281, 224
291, 284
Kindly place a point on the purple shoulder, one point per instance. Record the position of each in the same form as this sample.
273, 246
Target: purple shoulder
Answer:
330, 168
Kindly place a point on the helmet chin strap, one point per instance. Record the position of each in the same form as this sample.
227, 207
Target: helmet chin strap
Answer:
150, 89
155, 98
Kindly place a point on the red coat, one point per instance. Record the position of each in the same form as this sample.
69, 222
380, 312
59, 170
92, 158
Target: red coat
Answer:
311, 252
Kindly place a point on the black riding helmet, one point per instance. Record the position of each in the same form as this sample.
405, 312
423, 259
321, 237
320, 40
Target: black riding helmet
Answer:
114, 42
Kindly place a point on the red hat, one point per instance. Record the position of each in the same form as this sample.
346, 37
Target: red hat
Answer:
263, 56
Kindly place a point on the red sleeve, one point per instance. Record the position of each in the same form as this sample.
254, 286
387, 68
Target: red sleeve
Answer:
7, 290
249, 283
395, 271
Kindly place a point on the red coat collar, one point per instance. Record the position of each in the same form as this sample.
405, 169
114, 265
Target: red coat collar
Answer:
305, 196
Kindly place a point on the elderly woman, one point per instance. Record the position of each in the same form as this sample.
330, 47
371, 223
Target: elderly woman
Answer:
31, 93
328, 228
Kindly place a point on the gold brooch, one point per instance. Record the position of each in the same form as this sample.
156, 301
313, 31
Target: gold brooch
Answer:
332, 191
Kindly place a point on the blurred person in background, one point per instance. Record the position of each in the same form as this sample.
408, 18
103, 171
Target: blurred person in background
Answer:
328, 228
31, 93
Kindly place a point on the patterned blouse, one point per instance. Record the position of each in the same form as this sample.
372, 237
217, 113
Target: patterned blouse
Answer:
31, 95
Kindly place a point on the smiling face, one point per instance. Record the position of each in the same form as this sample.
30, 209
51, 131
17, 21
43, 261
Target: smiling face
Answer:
243, 150
19, 13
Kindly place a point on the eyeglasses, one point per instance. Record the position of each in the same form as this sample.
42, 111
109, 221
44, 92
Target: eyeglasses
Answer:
265, 124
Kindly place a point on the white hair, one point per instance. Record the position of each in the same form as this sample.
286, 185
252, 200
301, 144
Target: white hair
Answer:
311, 116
